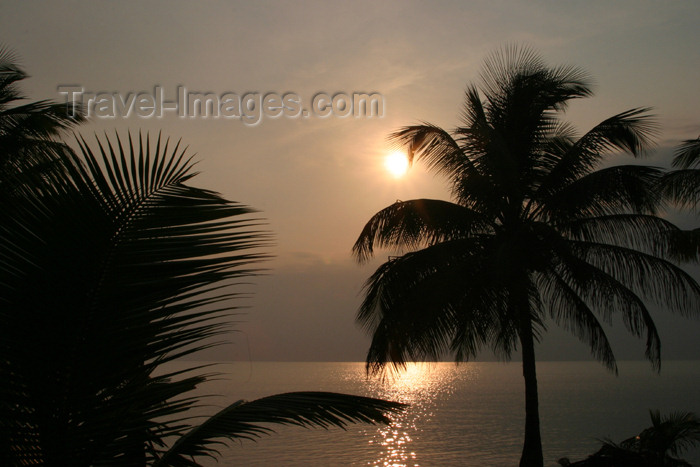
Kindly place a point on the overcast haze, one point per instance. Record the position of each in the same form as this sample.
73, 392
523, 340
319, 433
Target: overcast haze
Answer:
317, 181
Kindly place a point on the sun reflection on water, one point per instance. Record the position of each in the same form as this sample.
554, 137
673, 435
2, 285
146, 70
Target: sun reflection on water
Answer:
422, 386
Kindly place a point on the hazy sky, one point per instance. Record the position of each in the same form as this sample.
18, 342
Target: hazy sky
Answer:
318, 180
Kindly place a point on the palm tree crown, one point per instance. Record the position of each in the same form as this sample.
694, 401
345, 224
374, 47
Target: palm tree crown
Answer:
657, 446
539, 229
105, 276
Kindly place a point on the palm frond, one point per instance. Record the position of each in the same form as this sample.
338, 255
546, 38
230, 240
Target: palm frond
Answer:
609, 191
607, 294
442, 298
30, 149
505, 69
687, 154
433, 145
668, 436
656, 279
632, 131
249, 420
672, 434
684, 244
135, 268
641, 232
414, 223
682, 187
572, 313
571, 159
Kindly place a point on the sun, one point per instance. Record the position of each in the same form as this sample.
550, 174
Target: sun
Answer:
396, 163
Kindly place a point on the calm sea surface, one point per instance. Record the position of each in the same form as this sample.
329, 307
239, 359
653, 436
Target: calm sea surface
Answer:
466, 415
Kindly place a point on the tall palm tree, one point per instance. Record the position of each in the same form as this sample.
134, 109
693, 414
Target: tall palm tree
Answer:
108, 273
538, 230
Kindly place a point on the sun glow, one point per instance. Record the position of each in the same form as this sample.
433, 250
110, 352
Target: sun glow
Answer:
396, 163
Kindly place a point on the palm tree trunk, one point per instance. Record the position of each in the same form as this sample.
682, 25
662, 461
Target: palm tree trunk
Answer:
532, 448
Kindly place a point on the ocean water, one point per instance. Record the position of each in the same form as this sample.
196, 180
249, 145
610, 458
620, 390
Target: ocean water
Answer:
470, 414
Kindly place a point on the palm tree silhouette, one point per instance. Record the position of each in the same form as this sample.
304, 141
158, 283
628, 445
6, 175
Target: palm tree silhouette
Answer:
538, 229
112, 265
657, 446
109, 275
